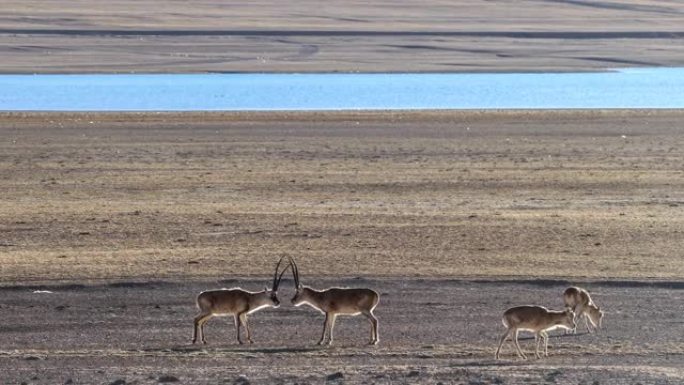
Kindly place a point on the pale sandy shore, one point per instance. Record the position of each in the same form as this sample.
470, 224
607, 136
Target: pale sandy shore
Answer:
142, 36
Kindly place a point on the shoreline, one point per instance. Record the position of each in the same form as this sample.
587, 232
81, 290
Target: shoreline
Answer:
349, 281
331, 115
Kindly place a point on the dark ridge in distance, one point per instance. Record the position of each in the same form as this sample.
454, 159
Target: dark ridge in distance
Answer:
353, 281
351, 33
674, 285
78, 287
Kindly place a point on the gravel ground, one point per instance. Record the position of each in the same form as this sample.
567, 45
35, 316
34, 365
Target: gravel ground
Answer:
432, 330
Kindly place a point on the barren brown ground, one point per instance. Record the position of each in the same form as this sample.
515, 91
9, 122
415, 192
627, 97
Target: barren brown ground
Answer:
452, 216
307, 36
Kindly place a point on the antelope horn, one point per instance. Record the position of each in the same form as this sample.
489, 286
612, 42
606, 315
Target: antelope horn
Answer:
274, 287
280, 277
295, 271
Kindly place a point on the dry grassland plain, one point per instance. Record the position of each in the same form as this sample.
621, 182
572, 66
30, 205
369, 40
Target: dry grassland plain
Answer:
110, 224
451, 216
553, 195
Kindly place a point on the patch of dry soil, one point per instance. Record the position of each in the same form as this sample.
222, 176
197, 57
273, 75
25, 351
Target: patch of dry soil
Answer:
431, 330
452, 216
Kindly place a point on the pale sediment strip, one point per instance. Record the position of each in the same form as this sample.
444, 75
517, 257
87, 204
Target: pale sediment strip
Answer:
388, 116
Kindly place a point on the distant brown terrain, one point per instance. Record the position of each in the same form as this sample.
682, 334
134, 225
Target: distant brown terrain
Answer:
110, 224
134, 36
444, 194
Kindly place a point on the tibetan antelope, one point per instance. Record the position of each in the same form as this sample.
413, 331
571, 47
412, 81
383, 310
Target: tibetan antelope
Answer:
536, 319
237, 302
337, 301
580, 301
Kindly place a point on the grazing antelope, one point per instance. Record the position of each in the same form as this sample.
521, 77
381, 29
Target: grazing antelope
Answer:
536, 319
337, 301
237, 302
580, 301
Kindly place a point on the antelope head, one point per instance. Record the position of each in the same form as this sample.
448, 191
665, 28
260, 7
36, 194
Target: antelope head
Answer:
301, 292
596, 315
568, 321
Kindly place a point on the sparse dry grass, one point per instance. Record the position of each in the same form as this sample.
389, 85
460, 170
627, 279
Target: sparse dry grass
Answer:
438, 194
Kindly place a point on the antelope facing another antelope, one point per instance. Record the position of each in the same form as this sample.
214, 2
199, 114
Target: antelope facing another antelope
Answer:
237, 302
536, 319
580, 301
337, 301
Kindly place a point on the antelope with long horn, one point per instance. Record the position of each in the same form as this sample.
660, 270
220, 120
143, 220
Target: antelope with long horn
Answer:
337, 301
236, 302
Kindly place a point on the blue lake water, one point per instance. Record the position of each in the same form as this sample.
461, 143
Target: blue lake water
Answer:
629, 88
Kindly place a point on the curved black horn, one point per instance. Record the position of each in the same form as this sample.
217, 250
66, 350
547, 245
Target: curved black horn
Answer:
295, 271
274, 287
277, 283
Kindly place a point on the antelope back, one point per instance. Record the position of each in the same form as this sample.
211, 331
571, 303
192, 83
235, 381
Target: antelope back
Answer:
223, 301
351, 300
537, 318
572, 297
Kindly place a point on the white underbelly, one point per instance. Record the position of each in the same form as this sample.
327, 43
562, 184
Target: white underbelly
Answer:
551, 328
257, 308
349, 313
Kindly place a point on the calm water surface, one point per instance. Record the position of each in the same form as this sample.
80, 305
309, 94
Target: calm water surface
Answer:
630, 88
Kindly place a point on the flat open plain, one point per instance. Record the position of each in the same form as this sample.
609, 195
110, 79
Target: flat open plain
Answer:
110, 224
451, 216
